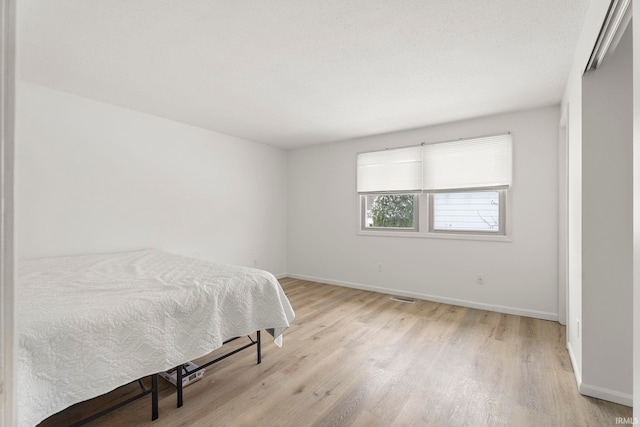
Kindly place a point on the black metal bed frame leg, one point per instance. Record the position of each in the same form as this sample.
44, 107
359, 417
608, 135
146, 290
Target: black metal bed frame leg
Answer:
154, 403
259, 345
179, 385
154, 397
179, 373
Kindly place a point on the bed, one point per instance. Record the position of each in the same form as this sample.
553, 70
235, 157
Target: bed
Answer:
88, 324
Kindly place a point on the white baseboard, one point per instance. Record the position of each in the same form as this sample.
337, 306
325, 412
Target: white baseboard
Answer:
606, 394
577, 372
595, 391
281, 276
453, 301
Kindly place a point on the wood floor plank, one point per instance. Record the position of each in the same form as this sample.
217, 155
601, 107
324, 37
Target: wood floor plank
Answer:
357, 358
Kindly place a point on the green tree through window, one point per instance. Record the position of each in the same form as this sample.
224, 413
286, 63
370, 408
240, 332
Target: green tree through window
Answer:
393, 210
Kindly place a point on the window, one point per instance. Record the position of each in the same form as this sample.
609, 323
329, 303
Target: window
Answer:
464, 184
390, 211
473, 211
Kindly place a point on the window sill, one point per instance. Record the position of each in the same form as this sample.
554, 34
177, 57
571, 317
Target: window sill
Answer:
445, 236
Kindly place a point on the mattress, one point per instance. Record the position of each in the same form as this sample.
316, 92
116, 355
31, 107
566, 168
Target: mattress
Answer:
88, 324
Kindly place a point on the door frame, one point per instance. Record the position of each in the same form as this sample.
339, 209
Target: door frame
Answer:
7, 259
563, 218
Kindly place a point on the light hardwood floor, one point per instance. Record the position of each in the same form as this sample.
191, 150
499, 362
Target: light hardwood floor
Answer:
356, 358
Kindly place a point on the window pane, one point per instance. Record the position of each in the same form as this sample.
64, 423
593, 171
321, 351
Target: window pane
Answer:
389, 211
470, 211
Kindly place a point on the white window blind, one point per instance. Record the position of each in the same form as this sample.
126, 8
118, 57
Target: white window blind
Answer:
470, 163
397, 170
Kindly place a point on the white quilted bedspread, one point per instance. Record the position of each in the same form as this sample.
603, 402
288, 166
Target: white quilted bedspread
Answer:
88, 324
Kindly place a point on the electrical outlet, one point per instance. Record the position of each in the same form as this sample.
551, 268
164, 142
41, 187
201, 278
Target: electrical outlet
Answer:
480, 279
379, 268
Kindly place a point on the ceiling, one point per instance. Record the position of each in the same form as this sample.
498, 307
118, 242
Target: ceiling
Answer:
302, 72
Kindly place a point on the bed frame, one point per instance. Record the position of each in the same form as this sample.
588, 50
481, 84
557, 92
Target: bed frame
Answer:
179, 388
144, 391
256, 342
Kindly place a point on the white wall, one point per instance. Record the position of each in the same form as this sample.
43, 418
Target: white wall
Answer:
590, 382
96, 177
572, 102
607, 226
520, 276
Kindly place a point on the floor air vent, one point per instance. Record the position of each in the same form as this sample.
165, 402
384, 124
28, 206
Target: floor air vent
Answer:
404, 300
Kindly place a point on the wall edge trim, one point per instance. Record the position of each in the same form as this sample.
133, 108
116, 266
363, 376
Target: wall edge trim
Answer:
574, 365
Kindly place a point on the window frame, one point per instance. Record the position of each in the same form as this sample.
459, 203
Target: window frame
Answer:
422, 217
502, 213
416, 214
